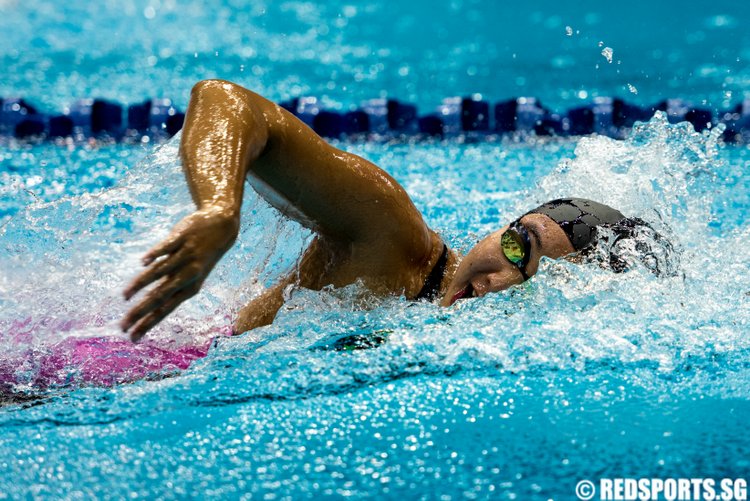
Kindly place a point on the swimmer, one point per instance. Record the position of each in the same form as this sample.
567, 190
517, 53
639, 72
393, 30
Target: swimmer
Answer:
366, 226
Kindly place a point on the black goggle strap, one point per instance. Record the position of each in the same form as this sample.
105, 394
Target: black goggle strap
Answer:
516, 246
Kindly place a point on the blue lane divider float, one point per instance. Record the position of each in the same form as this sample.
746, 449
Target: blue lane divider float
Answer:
471, 117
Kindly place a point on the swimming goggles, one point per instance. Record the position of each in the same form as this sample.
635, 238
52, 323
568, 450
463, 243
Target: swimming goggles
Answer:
517, 246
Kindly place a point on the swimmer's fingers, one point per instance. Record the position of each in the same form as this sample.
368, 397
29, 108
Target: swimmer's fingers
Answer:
155, 272
147, 322
155, 299
171, 244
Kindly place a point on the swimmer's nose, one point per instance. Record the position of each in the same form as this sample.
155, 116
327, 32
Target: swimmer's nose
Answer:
496, 281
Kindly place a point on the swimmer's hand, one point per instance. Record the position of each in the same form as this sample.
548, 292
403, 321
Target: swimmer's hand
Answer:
180, 264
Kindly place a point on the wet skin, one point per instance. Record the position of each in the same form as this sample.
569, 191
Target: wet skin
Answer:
485, 268
366, 226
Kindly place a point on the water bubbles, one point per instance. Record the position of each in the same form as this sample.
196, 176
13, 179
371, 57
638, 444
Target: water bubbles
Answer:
562, 61
632, 88
721, 21
607, 52
248, 52
569, 31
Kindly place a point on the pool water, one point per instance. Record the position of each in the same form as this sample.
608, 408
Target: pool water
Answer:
343, 52
577, 374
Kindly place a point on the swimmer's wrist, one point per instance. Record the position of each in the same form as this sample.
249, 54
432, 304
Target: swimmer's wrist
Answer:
224, 215
222, 210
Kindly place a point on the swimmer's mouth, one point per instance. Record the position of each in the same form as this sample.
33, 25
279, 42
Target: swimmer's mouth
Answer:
467, 291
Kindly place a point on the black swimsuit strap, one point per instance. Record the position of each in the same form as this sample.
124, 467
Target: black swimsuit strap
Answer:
431, 287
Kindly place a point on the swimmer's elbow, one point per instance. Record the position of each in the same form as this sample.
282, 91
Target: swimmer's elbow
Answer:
222, 107
261, 310
250, 322
211, 84
224, 91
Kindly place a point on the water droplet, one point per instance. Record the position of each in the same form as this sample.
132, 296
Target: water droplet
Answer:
632, 89
569, 31
720, 21
607, 52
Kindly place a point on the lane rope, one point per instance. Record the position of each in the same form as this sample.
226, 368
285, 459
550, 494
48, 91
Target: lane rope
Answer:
376, 119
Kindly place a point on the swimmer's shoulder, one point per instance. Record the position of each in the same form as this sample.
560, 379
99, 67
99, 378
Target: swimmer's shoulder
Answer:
336, 193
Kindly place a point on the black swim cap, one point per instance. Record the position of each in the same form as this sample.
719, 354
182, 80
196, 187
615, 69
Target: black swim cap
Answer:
625, 241
579, 218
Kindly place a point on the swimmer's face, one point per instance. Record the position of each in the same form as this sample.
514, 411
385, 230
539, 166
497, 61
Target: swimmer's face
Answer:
485, 268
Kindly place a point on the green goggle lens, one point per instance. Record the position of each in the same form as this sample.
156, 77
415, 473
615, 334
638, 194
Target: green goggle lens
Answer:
513, 246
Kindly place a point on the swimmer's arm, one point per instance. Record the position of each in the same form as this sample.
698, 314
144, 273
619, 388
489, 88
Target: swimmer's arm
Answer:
230, 132
343, 197
224, 133
262, 309
309, 273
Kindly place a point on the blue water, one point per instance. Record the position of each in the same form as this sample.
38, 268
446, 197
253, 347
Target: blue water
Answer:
577, 374
343, 52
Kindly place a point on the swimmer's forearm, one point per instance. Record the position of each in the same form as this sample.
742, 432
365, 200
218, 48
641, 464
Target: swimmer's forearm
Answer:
224, 133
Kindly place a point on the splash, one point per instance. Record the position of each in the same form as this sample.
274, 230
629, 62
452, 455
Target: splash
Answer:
570, 317
66, 262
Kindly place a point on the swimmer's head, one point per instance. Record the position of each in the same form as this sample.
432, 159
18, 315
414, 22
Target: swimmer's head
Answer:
555, 229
